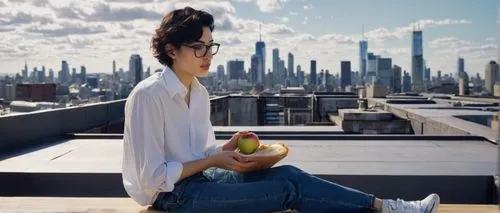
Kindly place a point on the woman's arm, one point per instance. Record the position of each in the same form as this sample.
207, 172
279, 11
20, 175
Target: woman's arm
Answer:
229, 160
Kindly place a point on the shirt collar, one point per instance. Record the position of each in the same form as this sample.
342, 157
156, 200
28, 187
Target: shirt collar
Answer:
175, 86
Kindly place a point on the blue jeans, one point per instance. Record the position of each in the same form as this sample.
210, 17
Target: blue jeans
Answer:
269, 190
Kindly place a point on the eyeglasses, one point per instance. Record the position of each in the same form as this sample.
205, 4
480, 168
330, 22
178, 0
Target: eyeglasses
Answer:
200, 50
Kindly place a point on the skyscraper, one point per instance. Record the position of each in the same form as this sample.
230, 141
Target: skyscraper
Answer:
114, 66
300, 76
313, 76
64, 77
491, 75
260, 49
460, 66
220, 73
25, 71
135, 68
363, 51
282, 72
417, 61
83, 74
371, 68
396, 70
406, 82
235, 68
384, 72
290, 66
255, 69
276, 61
345, 74
51, 76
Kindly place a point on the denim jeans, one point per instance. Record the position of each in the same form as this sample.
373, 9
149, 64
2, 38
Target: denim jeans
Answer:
269, 190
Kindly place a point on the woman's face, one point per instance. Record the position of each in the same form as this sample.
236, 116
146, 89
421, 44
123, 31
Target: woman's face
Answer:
195, 57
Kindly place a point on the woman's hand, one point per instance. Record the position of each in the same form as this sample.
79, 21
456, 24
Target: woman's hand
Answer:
231, 160
232, 144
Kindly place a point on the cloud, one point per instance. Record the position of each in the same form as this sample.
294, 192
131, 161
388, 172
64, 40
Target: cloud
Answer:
230, 41
293, 13
384, 34
305, 20
41, 3
266, 6
103, 12
447, 46
448, 42
6, 29
337, 38
228, 23
21, 17
66, 28
491, 39
284, 19
270, 5
308, 7
131, 1
279, 29
215, 8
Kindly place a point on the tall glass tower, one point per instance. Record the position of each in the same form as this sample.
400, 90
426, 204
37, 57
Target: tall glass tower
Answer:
417, 61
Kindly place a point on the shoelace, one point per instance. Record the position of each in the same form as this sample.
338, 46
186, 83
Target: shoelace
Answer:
406, 206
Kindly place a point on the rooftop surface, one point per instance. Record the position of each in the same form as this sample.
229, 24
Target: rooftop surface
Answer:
329, 157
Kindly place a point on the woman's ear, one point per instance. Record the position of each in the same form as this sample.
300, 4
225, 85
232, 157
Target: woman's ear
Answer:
170, 50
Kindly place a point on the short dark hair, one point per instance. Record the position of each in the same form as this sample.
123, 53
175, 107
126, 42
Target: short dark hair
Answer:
179, 27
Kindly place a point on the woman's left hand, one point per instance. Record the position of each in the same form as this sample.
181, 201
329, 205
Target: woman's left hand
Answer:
232, 144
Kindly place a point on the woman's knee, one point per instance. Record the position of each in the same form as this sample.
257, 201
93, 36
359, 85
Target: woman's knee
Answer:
289, 170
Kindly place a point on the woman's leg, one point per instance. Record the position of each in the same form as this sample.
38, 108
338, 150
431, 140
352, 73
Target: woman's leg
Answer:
269, 190
315, 194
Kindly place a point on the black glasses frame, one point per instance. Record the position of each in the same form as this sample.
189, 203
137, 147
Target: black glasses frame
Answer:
207, 46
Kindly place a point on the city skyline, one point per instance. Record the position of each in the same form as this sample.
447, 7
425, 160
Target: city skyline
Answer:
94, 39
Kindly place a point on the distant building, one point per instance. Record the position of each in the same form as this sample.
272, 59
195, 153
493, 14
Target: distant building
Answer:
363, 51
406, 82
491, 76
396, 70
220, 73
10, 92
384, 72
135, 69
235, 69
345, 74
313, 77
417, 62
36, 92
460, 66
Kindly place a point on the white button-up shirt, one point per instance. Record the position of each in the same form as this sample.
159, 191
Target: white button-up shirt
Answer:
161, 132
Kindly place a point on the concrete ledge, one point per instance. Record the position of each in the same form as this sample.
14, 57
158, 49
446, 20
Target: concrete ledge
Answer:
25, 130
127, 205
452, 189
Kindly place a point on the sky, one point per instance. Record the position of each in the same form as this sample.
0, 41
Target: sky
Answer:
96, 32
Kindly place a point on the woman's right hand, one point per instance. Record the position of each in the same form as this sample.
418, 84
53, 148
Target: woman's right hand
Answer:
231, 160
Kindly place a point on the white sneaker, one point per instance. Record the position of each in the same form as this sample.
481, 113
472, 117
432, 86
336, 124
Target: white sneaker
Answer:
428, 205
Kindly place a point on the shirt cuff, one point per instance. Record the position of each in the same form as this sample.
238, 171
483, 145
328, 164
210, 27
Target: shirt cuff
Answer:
213, 149
174, 171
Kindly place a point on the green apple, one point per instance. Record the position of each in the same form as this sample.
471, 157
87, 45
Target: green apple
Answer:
248, 143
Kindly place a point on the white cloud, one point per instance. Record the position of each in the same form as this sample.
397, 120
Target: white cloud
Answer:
384, 34
270, 5
491, 39
266, 5
308, 7
284, 19
293, 13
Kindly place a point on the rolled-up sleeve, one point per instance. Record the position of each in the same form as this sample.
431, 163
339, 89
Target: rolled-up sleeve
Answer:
212, 146
145, 163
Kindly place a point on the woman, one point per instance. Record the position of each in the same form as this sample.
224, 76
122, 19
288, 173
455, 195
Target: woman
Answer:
171, 160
